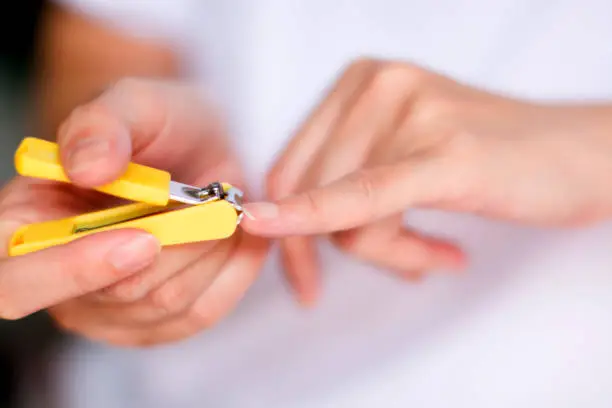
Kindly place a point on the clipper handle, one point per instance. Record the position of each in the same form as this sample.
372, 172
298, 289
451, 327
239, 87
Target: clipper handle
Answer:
40, 159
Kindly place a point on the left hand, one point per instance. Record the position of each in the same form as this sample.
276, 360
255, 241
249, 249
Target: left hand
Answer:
345, 133
391, 136
133, 297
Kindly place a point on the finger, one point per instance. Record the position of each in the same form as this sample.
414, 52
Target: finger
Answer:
173, 259
389, 245
354, 200
171, 262
301, 266
381, 100
152, 122
164, 303
228, 288
372, 119
298, 254
179, 292
24, 203
301, 150
95, 145
232, 283
36, 281
369, 97
345, 149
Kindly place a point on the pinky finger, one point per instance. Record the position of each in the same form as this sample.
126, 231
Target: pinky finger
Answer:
300, 262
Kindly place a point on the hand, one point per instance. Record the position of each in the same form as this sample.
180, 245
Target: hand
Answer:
391, 137
114, 286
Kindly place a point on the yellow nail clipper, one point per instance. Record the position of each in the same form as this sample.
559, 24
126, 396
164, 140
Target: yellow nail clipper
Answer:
173, 212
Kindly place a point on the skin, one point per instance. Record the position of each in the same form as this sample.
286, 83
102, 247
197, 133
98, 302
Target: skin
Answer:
119, 287
392, 136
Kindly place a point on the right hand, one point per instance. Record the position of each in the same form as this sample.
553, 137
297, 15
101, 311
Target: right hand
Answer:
391, 137
115, 286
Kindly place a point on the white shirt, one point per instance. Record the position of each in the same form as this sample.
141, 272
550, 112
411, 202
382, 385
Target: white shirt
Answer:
529, 324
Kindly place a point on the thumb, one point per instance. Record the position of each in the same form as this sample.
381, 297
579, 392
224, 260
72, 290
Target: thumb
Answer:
350, 202
35, 281
95, 145
99, 139
166, 125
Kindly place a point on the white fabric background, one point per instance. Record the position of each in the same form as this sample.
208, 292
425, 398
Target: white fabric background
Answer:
528, 325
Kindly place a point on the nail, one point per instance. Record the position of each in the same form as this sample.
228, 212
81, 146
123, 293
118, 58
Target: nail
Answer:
264, 211
87, 151
134, 255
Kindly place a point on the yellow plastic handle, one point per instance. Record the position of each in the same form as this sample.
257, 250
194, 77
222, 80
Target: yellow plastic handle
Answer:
40, 159
172, 225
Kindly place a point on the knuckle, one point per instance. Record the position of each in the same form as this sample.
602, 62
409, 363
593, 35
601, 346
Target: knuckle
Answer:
87, 110
365, 182
201, 318
366, 185
128, 290
441, 102
433, 108
359, 64
312, 203
84, 114
415, 73
391, 77
128, 89
170, 298
83, 119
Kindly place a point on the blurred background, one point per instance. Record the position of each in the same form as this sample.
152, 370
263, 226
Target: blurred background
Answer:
23, 344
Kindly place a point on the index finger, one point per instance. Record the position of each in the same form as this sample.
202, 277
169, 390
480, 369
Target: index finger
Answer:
350, 202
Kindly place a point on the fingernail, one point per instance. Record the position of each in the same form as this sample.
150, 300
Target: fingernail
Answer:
262, 211
134, 255
85, 152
